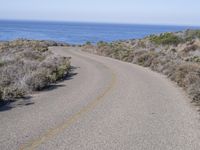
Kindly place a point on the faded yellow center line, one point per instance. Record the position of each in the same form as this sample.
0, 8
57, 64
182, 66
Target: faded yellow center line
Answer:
58, 129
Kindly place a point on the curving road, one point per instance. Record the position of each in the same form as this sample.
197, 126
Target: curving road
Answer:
105, 105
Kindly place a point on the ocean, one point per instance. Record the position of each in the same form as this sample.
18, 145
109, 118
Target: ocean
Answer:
79, 33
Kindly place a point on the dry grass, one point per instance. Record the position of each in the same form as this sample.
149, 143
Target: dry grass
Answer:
27, 66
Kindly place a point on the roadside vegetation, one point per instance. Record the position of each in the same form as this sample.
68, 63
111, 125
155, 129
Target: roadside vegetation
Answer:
176, 55
27, 66
165, 39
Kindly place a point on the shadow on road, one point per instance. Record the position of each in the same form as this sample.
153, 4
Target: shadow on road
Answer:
9, 104
26, 101
71, 73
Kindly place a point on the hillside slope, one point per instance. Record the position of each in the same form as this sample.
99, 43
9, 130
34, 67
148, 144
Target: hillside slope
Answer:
176, 55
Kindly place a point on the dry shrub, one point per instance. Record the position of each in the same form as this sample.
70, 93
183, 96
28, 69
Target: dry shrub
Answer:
185, 74
13, 92
27, 66
37, 80
145, 58
194, 92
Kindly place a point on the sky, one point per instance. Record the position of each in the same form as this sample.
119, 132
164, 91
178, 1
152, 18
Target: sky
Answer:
168, 12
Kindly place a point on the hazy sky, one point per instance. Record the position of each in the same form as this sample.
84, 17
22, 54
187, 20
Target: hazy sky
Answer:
178, 12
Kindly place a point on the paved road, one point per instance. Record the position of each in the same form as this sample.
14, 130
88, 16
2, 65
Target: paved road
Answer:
105, 105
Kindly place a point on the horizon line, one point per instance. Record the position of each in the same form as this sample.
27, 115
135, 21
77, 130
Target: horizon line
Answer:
97, 22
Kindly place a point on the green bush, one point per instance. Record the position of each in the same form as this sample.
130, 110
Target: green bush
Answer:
102, 43
88, 43
1, 63
13, 92
165, 39
59, 73
195, 59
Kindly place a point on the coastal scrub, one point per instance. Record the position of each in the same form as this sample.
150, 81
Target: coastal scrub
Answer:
27, 66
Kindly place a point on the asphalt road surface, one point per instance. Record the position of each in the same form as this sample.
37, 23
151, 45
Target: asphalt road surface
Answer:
105, 104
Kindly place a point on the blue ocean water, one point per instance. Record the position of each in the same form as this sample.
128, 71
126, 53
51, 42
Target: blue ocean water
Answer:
79, 33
